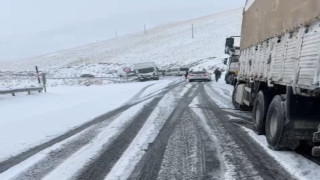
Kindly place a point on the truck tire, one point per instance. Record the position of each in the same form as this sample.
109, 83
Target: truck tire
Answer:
259, 113
232, 79
234, 102
316, 151
275, 123
226, 78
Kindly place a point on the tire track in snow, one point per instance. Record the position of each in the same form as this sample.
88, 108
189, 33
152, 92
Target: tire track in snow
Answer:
250, 160
213, 162
11, 162
150, 164
56, 156
183, 157
101, 165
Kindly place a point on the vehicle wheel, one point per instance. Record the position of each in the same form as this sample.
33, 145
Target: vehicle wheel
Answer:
234, 102
226, 78
232, 79
259, 113
316, 151
275, 123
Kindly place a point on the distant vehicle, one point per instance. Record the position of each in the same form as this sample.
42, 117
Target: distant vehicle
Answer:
87, 76
177, 71
146, 71
131, 73
121, 73
199, 76
161, 72
233, 61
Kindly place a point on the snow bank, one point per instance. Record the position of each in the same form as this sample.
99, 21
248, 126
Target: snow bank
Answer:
295, 164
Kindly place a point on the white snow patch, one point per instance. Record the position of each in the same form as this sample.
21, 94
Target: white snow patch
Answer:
233, 118
217, 97
77, 161
295, 164
23, 166
156, 88
27, 121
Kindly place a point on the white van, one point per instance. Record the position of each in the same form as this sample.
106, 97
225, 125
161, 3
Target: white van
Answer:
146, 71
177, 71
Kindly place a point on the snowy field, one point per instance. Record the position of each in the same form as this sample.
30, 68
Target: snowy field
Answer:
27, 121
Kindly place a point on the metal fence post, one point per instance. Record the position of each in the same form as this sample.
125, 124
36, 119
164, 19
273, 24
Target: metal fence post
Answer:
38, 76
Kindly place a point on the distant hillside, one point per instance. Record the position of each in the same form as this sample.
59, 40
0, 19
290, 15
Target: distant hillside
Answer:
165, 44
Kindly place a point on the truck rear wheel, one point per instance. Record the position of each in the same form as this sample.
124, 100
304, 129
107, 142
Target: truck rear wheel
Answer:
275, 123
316, 151
232, 79
259, 113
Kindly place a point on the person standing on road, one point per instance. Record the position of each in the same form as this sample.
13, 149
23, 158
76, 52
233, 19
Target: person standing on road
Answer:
186, 75
217, 74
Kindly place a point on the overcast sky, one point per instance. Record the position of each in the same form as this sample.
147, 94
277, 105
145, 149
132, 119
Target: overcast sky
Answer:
33, 27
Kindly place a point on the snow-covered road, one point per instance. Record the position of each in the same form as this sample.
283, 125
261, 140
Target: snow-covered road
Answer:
169, 129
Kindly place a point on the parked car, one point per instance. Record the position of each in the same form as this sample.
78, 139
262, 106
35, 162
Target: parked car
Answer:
199, 76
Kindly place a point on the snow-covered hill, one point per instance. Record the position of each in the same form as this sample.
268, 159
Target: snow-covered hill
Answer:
165, 44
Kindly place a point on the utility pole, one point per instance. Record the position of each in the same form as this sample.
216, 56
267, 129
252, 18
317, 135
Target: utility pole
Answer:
192, 31
145, 29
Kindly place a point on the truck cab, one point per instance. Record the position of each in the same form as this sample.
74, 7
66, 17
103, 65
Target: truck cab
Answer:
233, 61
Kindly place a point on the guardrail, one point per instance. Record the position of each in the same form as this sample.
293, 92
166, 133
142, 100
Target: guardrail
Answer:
14, 91
112, 79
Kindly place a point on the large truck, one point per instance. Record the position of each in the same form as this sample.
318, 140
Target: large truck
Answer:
146, 71
279, 76
232, 61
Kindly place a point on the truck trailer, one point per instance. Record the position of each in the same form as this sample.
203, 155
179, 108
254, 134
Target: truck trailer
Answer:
279, 76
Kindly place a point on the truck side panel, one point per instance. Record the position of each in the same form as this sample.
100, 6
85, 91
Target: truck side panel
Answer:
270, 18
291, 59
309, 56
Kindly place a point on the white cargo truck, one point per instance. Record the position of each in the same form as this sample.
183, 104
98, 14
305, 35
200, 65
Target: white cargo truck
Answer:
233, 50
279, 76
146, 71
